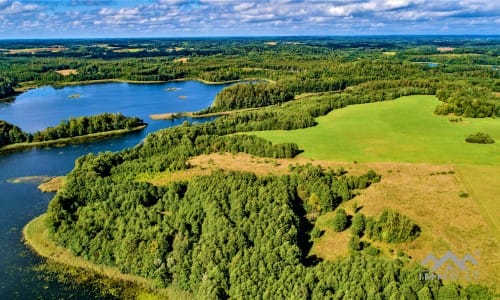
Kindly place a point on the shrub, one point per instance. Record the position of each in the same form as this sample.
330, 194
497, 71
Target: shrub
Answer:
479, 138
354, 244
316, 233
392, 227
358, 224
455, 119
340, 221
370, 250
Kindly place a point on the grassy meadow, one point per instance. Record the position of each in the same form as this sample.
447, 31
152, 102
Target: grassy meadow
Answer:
403, 130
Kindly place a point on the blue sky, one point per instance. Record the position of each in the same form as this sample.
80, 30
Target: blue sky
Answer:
170, 18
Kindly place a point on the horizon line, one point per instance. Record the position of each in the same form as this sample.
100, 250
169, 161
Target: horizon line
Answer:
252, 36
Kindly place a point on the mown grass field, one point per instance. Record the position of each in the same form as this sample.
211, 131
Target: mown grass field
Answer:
403, 130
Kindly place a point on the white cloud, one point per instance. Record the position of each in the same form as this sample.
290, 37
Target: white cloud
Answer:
267, 16
17, 7
243, 6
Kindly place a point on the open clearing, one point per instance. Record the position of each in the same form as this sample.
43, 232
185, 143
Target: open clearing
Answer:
53, 49
128, 50
52, 185
403, 130
67, 72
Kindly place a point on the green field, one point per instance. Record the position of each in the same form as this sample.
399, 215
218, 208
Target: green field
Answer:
403, 130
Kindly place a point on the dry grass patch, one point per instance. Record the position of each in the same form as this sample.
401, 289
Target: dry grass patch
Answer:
265, 165
448, 222
128, 50
241, 162
182, 60
206, 163
165, 178
331, 245
167, 116
67, 72
483, 185
445, 49
54, 184
248, 163
54, 49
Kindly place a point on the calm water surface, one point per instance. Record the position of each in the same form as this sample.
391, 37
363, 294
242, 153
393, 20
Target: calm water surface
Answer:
39, 108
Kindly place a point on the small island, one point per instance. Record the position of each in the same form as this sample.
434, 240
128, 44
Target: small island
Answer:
74, 130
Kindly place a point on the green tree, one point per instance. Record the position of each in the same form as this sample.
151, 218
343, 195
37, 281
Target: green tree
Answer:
358, 224
340, 221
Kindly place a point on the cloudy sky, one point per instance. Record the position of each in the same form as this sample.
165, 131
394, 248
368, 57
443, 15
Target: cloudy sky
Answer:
167, 18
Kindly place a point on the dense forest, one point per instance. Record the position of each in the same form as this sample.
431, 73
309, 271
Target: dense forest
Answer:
11, 134
224, 235
87, 125
247, 95
6, 88
236, 234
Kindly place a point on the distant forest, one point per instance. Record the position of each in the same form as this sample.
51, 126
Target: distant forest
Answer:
464, 75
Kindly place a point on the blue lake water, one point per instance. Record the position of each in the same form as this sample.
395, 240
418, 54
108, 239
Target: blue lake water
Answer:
42, 107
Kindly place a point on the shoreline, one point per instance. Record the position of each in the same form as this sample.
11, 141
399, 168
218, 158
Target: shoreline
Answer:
194, 115
23, 89
52, 184
35, 236
69, 140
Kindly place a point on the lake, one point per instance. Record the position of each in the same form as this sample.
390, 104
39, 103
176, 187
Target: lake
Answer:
46, 106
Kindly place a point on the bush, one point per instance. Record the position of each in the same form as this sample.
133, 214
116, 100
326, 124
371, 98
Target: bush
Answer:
358, 224
455, 119
316, 233
354, 243
340, 221
392, 227
479, 138
370, 250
